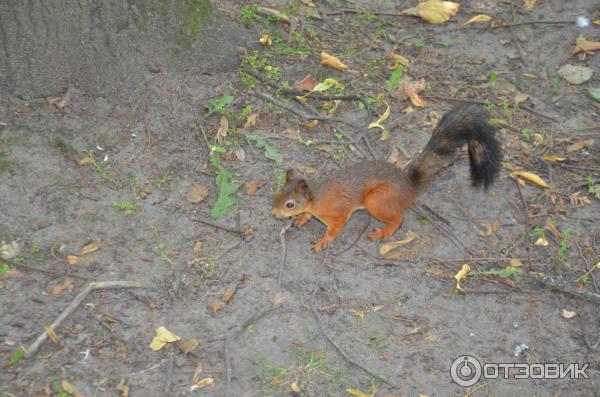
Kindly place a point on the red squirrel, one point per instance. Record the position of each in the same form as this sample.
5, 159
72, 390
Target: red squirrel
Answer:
385, 190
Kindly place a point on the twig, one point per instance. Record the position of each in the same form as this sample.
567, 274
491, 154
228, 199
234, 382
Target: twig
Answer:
342, 352
218, 225
522, 107
52, 272
283, 254
355, 11
447, 233
526, 208
89, 288
364, 229
558, 285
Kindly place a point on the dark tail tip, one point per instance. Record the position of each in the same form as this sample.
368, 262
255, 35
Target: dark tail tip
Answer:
485, 156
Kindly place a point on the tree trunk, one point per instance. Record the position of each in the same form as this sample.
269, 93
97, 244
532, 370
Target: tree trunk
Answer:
107, 47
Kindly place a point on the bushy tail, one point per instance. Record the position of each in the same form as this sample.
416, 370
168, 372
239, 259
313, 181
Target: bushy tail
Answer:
464, 124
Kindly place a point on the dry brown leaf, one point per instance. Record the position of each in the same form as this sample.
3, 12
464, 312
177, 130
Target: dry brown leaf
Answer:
333, 62
123, 388
489, 229
412, 89
397, 158
251, 120
85, 160
553, 230
462, 273
188, 345
58, 102
382, 118
529, 4
307, 84
278, 299
197, 248
387, 247
568, 314
265, 40
584, 45
253, 186
515, 263
67, 284
541, 242
520, 98
222, 130
397, 59
550, 157
577, 199
478, 19
217, 305
294, 386
434, 11
72, 259
197, 193
582, 144
90, 247
203, 383
51, 334
228, 295
70, 388
311, 124
531, 177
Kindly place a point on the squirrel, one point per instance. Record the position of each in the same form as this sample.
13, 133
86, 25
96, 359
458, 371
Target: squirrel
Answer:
385, 190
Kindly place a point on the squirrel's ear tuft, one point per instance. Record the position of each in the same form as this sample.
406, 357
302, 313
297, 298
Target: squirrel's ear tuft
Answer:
289, 175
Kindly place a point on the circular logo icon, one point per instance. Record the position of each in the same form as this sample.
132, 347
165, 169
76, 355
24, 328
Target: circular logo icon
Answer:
465, 371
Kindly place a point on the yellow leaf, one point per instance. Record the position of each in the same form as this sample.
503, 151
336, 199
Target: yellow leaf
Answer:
412, 89
266, 40
358, 393
278, 299
51, 334
478, 19
311, 125
333, 62
531, 177
515, 263
387, 247
550, 157
357, 313
294, 386
162, 337
251, 120
90, 247
377, 124
434, 11
596, 22
462, 273
542, 242
85, 160
398, 59
202, 383
584, 45
568, 314
70, 388
529, 4
188, 345
216, 306
72, 259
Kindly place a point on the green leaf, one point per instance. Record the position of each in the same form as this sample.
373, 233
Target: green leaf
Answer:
395, 77
492, 79
220, 104
595, 190
594, 93
270, 151
448, 42
15, 357
226, 188
4, 268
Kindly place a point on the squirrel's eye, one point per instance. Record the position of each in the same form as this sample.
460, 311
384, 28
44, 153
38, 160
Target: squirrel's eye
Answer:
290, 204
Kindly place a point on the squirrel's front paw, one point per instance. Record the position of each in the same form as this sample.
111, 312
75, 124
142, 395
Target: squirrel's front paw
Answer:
301, 219
321, 244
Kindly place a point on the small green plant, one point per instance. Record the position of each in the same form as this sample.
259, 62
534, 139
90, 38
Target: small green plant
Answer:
128, 207
270, 151
526, 134
100, 168
219, 105
376, 342
339, 152
210, 268
161, 249
248, 14
506, 272
492, 79
489, 105
395, 77
226, 188
586, 277
162, 181
448, 42
60, 391
564, 245
593, 187
4, 268
15, 357
419, 43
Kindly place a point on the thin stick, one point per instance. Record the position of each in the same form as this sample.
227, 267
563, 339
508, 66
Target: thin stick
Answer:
283, 254
558, 285
526, 208
364, 229
89, 288
218, 225
52, 272
342, 352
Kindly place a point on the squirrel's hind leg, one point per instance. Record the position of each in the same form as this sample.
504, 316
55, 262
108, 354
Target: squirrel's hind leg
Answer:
387, 204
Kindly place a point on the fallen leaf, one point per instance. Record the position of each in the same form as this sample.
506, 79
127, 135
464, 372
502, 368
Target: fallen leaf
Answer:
434, 11
228, 295
550, 157
529, 4
568, 314
541, 242
51, 334
387, 247
187, 345
294, 386
67, 284
478, 19
596, 22
531, 177
593, 93
489, 229
520, 98
575, 74
577, 199
462, 273
397, 59
584, 45
311, 124
357, 313
222, 130
216, 306
85, 160
197, 193
240, 154
265, 40
358, 393
72, 259
70, 388
203, 383
377, 124
123, 388
162, 337
307, 84
333, 62
515, 263
253, 186
552, 229
251, 120
278, 299
412, 89
90, 247
582, 144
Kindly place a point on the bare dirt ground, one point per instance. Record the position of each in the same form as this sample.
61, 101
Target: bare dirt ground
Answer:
266, 310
